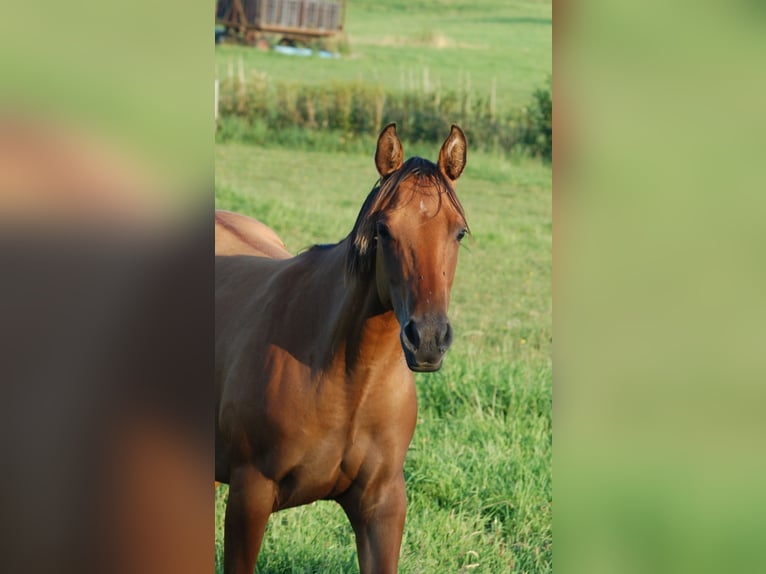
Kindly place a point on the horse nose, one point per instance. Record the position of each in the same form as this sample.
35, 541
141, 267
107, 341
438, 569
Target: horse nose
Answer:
412, 335
445, 339
428, 337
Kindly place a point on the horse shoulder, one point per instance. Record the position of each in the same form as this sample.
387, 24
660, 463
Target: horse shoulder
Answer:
383, 424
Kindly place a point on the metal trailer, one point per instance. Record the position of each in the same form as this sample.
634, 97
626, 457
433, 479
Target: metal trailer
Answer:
293, 20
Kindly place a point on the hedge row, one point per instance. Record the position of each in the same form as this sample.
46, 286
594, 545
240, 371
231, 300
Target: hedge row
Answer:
360, 108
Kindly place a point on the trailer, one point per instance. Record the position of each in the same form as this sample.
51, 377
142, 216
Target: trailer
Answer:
293, 20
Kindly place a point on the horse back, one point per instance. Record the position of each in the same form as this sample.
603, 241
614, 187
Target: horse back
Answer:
237, 234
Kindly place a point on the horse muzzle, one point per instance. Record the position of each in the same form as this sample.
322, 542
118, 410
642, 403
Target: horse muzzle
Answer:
425, 342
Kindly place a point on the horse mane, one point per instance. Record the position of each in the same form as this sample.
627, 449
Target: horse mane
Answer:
361, 240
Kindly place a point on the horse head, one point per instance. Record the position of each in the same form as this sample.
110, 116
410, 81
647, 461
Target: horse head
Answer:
408, 234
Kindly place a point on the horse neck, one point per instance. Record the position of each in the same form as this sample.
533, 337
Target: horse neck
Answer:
357, 320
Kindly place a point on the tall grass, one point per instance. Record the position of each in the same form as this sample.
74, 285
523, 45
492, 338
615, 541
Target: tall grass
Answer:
255, 109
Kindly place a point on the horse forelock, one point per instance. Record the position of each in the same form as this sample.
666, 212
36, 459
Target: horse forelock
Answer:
361, 244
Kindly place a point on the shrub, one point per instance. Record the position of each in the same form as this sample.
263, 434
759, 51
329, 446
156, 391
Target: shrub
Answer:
351, 111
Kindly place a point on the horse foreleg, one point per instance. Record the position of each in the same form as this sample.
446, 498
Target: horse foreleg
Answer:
377, 516
251, 500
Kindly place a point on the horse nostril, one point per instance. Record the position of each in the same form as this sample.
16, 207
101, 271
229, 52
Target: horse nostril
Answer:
411, 332
446, 338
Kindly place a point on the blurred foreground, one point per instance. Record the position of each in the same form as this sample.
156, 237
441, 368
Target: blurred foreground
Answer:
105, 296
106, 347
658, 287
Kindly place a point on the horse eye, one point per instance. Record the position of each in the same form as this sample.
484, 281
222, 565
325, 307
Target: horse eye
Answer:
461, 234
383, 231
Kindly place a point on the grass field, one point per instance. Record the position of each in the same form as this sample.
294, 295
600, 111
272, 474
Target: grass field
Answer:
478, 470
442, 42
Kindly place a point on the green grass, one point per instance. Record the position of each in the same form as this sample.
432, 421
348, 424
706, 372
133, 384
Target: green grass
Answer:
449, 43
478, 471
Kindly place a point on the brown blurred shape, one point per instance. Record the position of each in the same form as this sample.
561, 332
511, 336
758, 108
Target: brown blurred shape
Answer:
54, 169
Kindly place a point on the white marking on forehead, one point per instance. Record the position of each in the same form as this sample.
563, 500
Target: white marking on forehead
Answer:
423, 207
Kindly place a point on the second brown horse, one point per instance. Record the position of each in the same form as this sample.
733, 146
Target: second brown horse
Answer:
315, 353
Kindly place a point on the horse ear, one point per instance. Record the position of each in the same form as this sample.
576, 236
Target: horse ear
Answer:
389, 154
452, 156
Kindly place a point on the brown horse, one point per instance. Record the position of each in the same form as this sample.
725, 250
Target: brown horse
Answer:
237, 234
316, 398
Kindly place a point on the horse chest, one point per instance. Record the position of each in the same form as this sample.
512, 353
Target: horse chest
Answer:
330, 442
